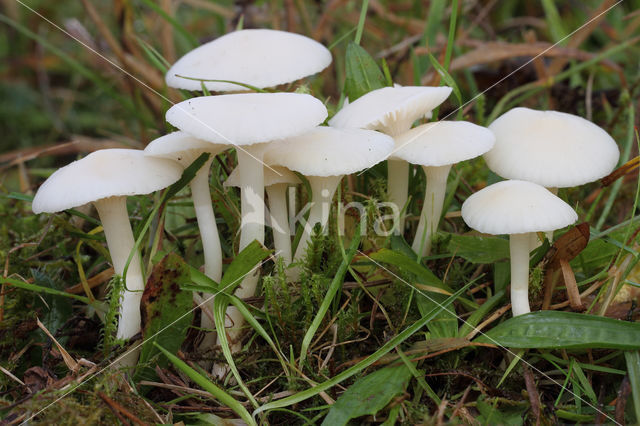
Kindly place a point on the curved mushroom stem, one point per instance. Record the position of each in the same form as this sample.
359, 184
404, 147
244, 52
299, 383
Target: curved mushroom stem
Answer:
432, 209
117, 230
201, 195
280, 221
519, 251
398, 189
322, 190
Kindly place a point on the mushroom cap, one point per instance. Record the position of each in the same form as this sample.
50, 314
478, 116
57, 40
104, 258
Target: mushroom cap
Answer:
550, 148
181, 147
443, 143
390, 109
273, 175
247, 118
326, 151
516, 207
102, 174
257, 57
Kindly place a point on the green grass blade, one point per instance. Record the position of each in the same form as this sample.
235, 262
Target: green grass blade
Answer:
335, 285
207, 385
386, 348
40, 289
361, 20
175, 24
632, 359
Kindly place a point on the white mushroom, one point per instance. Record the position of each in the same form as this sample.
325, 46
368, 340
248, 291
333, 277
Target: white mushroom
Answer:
185, 149
257, 57
517, 208
276, 181
436, 147
106, 178
324, 155
392, 110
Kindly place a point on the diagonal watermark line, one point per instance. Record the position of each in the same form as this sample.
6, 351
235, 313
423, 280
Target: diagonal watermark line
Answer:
142, 342
415, 137
145, 85
450, 311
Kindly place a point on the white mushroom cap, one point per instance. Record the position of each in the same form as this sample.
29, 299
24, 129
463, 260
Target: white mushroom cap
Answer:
273, 175
325, 151
260, 58
246, 119
516, 207
102, 174
443, 143
391, 110
550, 148
180, 146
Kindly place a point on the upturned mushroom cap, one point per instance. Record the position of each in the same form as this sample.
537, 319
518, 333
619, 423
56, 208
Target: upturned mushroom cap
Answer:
102, 174
550, 148
325, 151
249, 118
257, 57
273, 175
443, 143
516, 207
180, 146
390, 108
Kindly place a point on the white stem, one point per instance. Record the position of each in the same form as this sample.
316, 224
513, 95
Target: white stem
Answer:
432, 209
398, 189
549, 234
201, 195
322, 190
251, 169
117, 230
280, 221
519, 251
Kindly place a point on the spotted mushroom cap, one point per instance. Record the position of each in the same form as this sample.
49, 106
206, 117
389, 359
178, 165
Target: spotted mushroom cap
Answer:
257, 57
102, 174
550, 148
516, 207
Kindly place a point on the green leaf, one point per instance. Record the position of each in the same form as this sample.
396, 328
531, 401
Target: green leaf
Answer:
166, 313
477, 249
633, 369
362, 73
446, 77
564, 330
210, 387
368, 395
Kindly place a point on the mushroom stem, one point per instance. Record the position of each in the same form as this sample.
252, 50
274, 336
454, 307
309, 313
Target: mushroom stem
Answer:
398, 188
117, 230
251, 170
519, 252
432, 209
322, 190
201, 195
277, 195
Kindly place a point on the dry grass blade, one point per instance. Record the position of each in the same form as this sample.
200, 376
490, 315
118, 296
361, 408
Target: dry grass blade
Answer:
94, 281
71, 363
534, 396
119, 410
571, 285
626, 168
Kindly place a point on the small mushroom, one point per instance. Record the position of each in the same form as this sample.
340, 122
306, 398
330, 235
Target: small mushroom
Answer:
436, 147
105, 178
276, 181
392, 110
257, 57
553, 149
324, 155
517, 208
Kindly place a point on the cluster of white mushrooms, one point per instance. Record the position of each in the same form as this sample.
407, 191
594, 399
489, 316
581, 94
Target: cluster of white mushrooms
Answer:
277, 134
